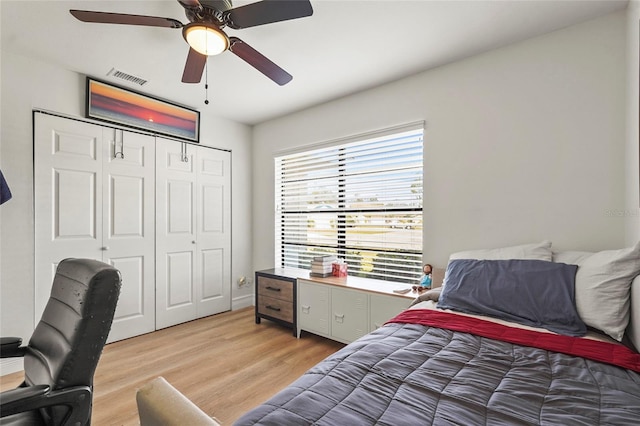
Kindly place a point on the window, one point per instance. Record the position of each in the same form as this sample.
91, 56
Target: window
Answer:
360, 200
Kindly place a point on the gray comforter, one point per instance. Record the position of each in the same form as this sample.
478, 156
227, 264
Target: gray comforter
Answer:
409, 374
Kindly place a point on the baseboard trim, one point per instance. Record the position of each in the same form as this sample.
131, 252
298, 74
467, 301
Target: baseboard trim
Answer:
242, 302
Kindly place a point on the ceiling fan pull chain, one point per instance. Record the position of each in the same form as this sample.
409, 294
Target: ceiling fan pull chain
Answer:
206, 82
206, 75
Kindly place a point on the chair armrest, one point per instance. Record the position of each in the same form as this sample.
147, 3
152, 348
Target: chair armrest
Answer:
14, 400
10, 347
30, 398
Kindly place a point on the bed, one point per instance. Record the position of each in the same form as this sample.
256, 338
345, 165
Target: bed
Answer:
517, 336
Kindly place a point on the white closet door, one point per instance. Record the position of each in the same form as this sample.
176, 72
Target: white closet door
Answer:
175, 234
68, 197
92, 205
193, 232
213, 236
128, 241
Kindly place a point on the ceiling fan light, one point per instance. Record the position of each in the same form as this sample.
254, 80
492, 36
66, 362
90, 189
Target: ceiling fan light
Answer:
205, 39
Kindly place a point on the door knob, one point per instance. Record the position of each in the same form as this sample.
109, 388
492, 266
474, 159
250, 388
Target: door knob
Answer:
105, 248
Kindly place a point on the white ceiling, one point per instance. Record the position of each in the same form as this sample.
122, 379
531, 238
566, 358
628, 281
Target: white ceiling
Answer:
345, 47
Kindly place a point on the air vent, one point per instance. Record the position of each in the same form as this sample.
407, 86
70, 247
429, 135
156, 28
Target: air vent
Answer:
127, 77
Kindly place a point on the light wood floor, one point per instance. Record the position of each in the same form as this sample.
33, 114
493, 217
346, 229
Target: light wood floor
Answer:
226, 364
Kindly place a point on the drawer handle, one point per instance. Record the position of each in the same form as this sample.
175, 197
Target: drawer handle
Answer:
273, 308
305, 309
272, 288
339, 318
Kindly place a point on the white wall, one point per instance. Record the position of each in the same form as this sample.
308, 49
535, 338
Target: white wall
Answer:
28, 84
632, 177
523, 143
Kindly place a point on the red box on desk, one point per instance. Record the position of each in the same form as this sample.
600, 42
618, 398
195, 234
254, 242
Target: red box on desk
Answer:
339, 269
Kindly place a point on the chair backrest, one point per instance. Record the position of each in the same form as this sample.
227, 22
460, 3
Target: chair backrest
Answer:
67, 343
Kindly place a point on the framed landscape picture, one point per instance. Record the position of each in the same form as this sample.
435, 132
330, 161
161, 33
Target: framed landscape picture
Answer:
118, 105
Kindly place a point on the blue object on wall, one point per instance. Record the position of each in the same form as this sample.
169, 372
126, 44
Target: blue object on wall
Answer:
5, 192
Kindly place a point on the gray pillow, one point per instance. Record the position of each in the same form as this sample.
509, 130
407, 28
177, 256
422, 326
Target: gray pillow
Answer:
530, 292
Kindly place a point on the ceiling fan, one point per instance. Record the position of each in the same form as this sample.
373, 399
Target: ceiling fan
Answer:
204, 32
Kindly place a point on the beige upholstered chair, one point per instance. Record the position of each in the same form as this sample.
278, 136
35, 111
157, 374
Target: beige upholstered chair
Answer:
160, 404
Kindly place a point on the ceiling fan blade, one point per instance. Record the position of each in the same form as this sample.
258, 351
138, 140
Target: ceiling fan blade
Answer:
190, 4
194, 67
259, 61
192, 7
122, 18
266, 12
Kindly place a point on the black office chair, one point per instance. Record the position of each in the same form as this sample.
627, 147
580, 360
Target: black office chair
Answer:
63, 352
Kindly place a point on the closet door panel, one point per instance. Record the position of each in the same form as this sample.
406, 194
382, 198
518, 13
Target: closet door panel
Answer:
179, 271
74, 190
68, 202
180, 208
127, 214
214, 231
213, 209
129, 227
175, 235
131, 303
213, 284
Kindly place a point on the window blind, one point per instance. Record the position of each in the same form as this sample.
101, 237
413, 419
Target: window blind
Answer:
359, 200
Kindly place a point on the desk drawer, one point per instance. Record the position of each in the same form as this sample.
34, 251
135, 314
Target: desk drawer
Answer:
275, 308
274, 288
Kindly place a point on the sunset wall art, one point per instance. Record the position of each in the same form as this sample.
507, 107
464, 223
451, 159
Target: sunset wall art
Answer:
118, 105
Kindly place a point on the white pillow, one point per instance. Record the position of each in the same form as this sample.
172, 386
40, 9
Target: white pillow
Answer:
536, 251
603, 286
571, 257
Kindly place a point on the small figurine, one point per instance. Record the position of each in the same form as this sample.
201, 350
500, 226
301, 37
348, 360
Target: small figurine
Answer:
425, 282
